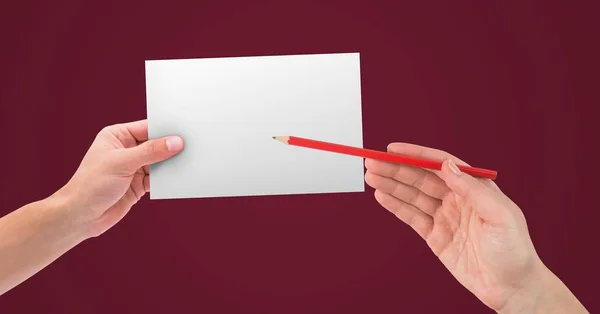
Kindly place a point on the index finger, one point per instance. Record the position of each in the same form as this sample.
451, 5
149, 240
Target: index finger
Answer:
423, 152
137, 129
432, 154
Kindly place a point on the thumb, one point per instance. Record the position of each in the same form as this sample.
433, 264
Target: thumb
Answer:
481, 197
152, 151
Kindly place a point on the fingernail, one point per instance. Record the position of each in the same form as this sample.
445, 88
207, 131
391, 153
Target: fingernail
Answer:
174, 143
453, 167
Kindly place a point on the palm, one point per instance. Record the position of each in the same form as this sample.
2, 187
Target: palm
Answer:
456, 238
453, 239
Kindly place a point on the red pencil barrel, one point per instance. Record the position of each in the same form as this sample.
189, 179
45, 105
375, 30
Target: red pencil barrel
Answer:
384, 156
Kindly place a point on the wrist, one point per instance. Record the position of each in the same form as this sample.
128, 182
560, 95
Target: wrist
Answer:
66, 216
543, 293
526, 298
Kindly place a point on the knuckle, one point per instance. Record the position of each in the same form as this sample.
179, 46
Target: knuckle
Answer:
414, 197
150, 149
109, 129
105, 129
420, 180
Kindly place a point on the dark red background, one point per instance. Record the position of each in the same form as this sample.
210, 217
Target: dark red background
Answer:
510, 85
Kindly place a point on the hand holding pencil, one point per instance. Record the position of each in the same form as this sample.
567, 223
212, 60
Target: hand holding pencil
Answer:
475, 230
478, 233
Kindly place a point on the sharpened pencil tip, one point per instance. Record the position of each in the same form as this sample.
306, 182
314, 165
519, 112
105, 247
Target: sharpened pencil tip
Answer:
283, 139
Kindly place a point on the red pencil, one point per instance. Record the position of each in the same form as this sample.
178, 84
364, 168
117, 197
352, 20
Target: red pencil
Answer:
383, 156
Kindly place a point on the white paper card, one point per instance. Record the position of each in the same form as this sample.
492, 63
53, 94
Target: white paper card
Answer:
228, 109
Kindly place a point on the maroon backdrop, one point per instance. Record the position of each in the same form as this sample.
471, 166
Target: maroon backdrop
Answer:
509, 85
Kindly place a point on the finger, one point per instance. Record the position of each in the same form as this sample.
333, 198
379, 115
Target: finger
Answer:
137, 129
150, 152
484, 200
432, 154
146, 170
147, 183
403, 192
129, 134
422, 152
118, 211
416, 219
418, 178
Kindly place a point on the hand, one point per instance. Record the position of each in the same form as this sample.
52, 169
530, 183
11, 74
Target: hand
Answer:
475, 230
113, 175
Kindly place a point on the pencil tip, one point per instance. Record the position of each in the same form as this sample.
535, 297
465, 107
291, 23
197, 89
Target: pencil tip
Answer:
274, 137
283, 139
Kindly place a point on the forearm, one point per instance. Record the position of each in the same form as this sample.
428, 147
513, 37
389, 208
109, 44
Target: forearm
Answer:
34, 236
548, 295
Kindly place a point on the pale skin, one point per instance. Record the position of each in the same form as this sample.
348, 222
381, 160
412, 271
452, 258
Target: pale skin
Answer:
477, 232
112, 177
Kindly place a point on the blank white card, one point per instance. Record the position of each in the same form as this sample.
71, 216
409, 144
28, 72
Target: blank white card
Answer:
228, 109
